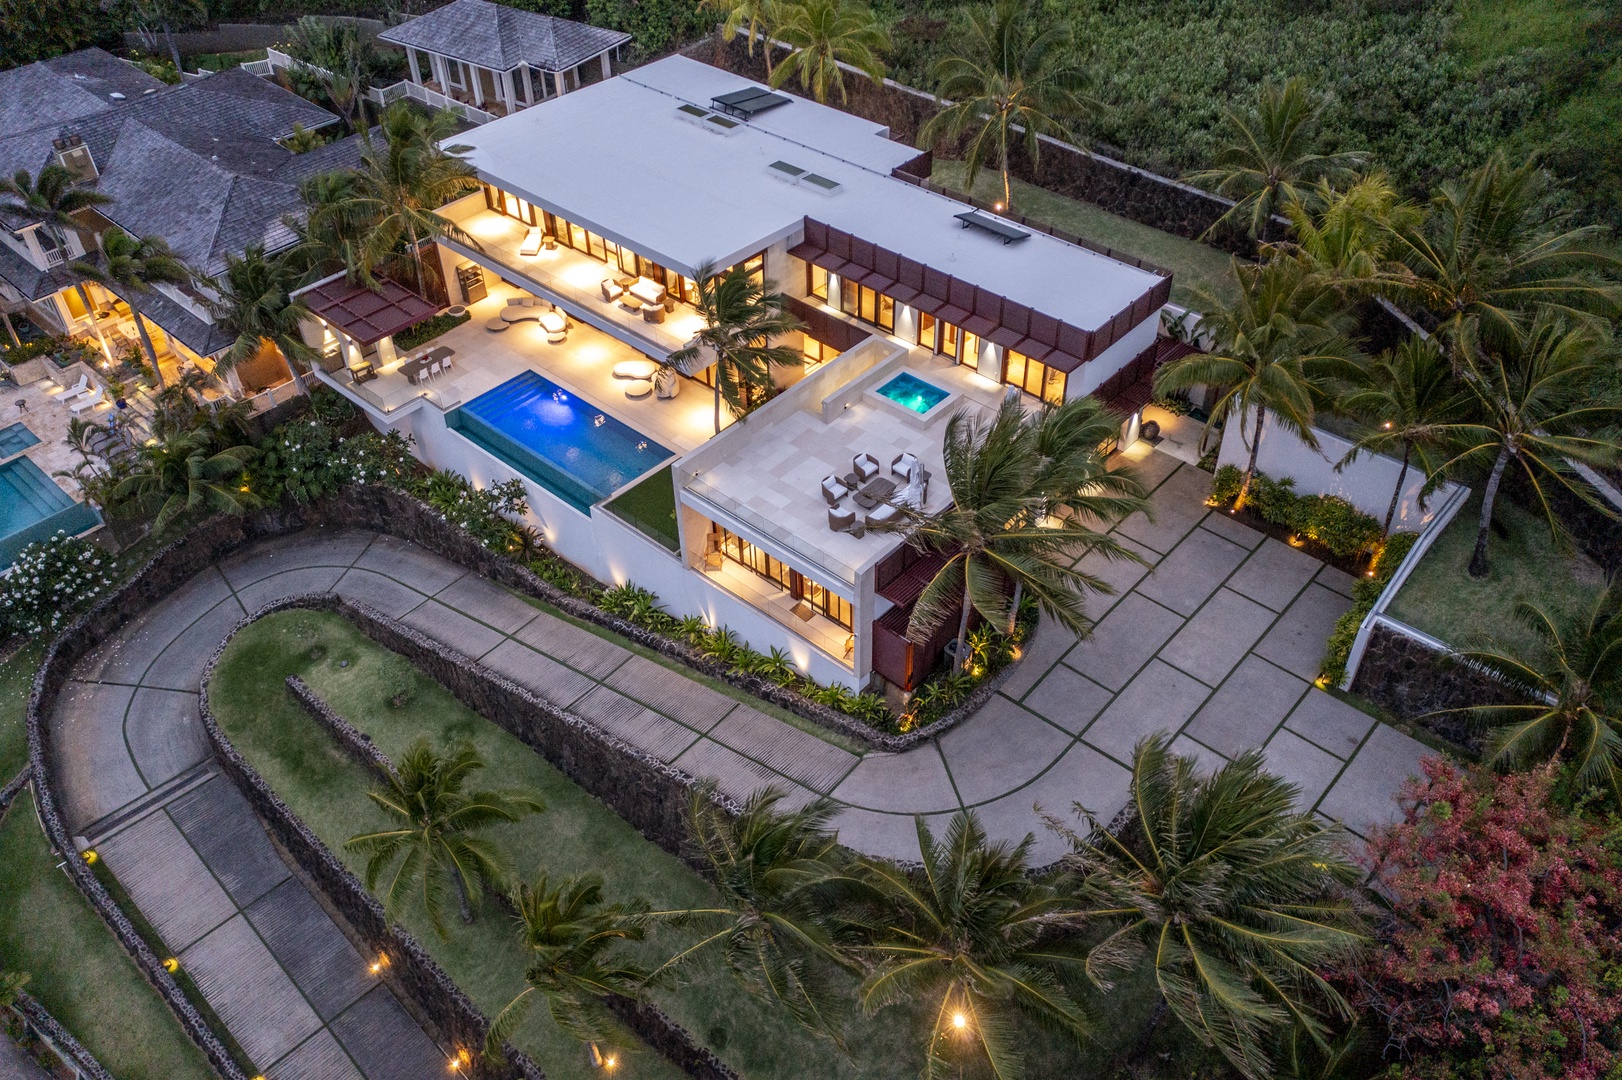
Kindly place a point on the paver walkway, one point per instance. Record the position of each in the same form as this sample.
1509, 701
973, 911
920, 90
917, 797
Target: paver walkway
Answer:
1217, 642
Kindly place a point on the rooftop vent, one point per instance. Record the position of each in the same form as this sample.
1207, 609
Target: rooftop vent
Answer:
745, 103
149, 90
709, 121
116, 96
790, 173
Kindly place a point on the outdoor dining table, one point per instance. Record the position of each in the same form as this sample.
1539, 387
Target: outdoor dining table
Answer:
413, 369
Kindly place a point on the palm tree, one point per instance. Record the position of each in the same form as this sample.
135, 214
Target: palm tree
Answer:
573, 940
975, 937
1573, 693
403, 181
255, 309
1407, 395
186, 474
1232, 895
135, 264
1013, 77
52, 200
332, 227
759, 16
741, 316
1539, 400
777, 873
169, 13
1491, 248
1028, 491
1272, 352
1274, 157
345, 59
822, 34
432, 840
1344, 237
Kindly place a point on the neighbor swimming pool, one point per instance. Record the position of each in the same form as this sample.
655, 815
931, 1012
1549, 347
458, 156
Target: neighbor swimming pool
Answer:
562, 442
32, 508
911, 392
16, 438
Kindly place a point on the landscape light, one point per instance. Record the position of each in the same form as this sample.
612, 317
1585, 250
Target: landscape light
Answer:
960, 1021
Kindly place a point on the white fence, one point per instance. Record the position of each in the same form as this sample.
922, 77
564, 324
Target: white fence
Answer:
381, 95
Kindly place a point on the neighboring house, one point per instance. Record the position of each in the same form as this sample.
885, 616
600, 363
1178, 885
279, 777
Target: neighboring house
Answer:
200, 164
606, 202
500, 59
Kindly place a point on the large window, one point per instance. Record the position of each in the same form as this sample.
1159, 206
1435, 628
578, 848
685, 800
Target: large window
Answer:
822, 600
816, 282
1035, 378
866, 305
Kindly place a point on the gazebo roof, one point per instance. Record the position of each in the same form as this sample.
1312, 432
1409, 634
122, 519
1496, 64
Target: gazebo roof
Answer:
367, 315
500, 38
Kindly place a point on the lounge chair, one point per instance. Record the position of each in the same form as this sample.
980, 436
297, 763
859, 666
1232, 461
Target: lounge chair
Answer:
531, 244
635, 369
904, 465
833, 492
654, 313
841, 520
865, 466
89, 401
638, 388
883, 515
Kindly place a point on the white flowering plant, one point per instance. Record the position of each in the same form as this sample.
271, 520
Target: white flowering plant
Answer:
51, 581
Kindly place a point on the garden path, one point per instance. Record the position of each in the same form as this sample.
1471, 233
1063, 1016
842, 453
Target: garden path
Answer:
1216, 640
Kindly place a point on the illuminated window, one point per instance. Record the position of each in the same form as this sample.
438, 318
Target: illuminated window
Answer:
817, 282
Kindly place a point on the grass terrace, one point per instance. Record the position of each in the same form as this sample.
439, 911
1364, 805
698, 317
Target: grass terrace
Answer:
576, 834
651, 507
1195, 267
1440, 598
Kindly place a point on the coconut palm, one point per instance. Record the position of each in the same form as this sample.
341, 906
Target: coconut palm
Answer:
1232, 896
1539, 400
331, 228
1407, 396
186, 473
821, 35
1273, 352
53, 200
433, 837
1490, 248
573, 943
404, 180
1013, 76
1028, 492
972, 936
1345, 237
168, 14
135, 264
776, 873
741, 317
1571, 689
758, 16
1273, 159
255, 309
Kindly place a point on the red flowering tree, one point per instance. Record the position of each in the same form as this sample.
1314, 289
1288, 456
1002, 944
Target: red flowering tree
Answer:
1504, 949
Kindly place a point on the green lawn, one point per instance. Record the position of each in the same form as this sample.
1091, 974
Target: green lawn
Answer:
1440, 598
78, 971
1195, 267
16, 683
651, 507
577, 833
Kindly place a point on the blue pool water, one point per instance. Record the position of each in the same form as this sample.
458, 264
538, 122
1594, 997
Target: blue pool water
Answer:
562, 442
15, 439
911, 392
32, 508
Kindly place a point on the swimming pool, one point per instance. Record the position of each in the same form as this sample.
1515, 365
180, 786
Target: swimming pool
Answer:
911, 392
32, 508
16, 438
562, 442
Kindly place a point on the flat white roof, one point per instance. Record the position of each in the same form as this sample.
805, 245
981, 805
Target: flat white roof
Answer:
618, 158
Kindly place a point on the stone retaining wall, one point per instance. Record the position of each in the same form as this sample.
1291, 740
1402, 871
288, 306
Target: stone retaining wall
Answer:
609, 768
60, 1038
14, 787
1417, 683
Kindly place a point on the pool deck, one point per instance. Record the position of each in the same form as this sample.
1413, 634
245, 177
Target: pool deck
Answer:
582, 365
48, 418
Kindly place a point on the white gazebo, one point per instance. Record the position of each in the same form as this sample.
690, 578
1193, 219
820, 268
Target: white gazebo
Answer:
497, 58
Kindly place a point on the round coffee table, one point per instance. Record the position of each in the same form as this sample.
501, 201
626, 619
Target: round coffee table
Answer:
635, 369
496, 325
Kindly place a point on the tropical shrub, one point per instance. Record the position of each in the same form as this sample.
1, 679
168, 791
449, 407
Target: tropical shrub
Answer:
50, 582
423, 332
1365, 592
1327, 519
1503, 946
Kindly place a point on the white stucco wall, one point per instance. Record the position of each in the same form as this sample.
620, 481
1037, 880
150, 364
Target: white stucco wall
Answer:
1366, 483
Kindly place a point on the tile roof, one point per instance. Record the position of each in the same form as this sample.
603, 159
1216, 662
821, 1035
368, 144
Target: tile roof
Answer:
199, 335
28, 279
367, 315
197, 163
500, 38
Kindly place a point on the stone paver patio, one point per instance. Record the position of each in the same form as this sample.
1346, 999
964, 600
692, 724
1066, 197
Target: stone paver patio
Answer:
1215, 641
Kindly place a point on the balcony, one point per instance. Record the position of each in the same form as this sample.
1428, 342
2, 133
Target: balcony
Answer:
828, 636
567, 276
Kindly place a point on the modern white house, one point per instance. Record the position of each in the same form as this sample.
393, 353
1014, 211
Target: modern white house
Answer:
598, 211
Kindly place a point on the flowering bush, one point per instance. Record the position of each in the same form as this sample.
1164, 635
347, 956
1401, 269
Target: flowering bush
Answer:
1503, 955
49, 582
